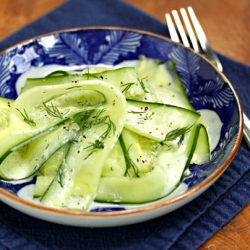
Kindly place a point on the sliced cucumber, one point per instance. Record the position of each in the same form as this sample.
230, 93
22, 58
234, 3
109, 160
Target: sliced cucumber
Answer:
49, 170
42, 183
77, 180
6, 103
148, 187
115, 164
5, 108
202, 152
166, 174
139, 152
30, 118
26, 160
155, 121
162, 82
50, 167
125, 79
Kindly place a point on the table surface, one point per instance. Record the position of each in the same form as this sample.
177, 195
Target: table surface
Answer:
226, 23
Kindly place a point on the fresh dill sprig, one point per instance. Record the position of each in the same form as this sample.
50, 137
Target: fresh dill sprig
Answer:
127, 86
136, 112
98, 144
111, 128
177, 133
104, 120
130, 164
60, 177
53, 111
99, 120
145, 117
26, 118
142, 116
143, 85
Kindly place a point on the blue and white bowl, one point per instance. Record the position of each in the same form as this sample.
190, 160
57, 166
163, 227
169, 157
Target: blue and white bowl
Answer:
207, 88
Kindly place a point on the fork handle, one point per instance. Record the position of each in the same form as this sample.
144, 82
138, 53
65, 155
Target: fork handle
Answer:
212, 57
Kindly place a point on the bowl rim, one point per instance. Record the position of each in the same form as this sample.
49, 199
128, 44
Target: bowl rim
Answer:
149, 207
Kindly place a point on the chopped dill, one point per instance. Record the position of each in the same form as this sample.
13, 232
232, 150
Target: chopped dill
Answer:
127, 86
143, 85
53, 111
60, 177
99, 120
136, 112
130, 164
26, 118
177, 133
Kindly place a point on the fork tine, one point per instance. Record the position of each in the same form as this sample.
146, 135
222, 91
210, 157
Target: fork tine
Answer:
200, 34
199, 31
171, 28
190, 30
180, 28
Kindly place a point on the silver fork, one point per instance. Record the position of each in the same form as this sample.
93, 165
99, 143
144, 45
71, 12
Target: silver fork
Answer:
204, 47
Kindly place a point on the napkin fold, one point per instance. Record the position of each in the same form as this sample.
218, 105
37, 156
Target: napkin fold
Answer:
185, 228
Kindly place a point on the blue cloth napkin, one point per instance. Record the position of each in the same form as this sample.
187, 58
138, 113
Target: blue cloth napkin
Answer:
185, 228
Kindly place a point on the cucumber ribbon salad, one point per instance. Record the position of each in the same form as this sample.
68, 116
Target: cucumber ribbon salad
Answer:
123, 135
